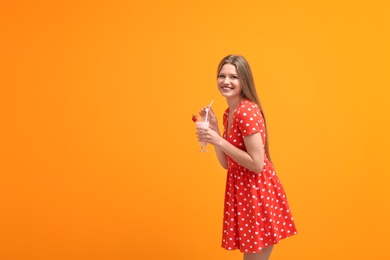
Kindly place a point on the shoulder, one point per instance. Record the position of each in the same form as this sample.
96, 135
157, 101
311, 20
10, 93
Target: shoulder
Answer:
226, 112
249, 119
248, 108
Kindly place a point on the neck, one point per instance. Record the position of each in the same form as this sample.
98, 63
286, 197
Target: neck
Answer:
233, 103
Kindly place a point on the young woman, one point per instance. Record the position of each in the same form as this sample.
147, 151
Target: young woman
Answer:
256, 211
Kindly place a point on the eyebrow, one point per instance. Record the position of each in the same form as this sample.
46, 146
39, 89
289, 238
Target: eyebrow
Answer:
231, 74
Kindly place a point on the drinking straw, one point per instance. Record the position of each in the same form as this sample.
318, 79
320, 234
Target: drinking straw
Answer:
207, 109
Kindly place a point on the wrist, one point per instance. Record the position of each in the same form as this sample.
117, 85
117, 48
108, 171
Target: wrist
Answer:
215, 129
219, 144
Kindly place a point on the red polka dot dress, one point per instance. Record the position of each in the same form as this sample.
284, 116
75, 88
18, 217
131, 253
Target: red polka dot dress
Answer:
256, 211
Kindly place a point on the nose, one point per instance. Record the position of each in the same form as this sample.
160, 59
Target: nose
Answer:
226, 80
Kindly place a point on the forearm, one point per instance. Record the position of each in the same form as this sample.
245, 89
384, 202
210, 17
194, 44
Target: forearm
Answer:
243, 158
221, 156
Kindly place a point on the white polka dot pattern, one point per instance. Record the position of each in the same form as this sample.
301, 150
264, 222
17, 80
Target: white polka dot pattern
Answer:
256, 211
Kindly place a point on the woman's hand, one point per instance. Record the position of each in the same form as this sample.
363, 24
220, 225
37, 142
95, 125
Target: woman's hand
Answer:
207, 135
212, 135
211, 118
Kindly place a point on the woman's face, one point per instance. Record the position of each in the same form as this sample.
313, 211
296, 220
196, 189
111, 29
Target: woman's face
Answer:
228, 81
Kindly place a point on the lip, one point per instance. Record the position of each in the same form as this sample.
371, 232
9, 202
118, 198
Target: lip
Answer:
226, 88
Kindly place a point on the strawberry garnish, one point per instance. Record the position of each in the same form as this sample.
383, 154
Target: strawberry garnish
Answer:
194, 118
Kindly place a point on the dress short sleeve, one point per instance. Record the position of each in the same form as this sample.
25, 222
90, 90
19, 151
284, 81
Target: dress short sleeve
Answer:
249, 119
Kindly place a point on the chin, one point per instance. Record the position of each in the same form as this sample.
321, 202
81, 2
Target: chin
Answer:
230, 95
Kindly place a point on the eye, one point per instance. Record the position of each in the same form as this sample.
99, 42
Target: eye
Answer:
221, 76
234, 77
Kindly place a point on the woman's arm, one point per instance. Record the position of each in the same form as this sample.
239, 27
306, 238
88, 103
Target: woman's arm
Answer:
252, 158
221, 156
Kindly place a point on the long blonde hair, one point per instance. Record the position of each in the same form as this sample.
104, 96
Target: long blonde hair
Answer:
247, 84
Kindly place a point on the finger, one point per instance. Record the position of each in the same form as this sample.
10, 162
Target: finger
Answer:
212, 111
200, 129
203, 111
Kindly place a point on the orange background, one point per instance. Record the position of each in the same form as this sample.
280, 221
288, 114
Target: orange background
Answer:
99, 156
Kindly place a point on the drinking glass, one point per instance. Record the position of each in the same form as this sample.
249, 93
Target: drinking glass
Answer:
203, 125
